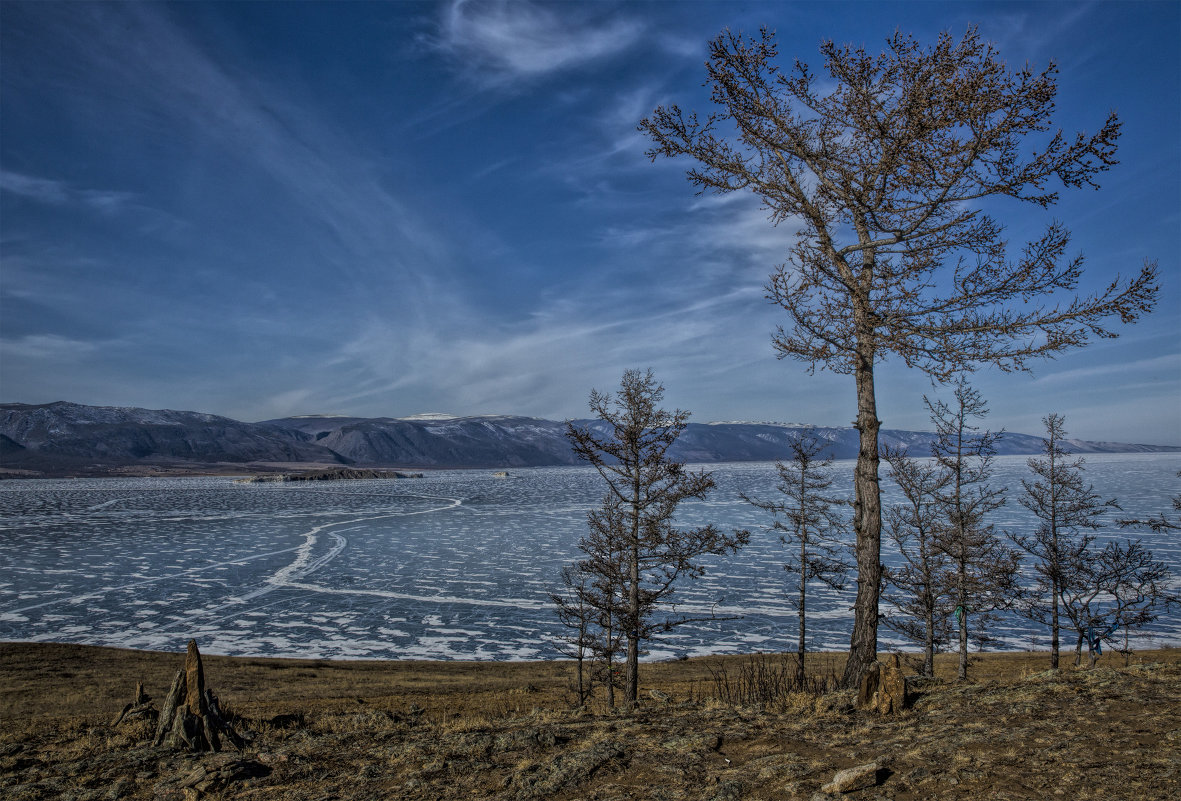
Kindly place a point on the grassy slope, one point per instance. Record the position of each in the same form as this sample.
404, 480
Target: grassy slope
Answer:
505, 730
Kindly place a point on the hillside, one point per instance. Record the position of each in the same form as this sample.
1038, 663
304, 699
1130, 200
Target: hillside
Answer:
72, 439
506, 731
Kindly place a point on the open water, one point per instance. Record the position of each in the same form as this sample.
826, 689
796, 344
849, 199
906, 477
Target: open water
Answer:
456, 565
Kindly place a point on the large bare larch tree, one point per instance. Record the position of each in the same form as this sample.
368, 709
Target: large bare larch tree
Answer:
890, 164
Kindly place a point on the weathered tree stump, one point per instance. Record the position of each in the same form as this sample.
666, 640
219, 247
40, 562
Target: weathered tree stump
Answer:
140, 708
883, 687
192, 718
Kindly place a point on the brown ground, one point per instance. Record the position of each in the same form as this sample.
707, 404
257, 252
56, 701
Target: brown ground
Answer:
426, 730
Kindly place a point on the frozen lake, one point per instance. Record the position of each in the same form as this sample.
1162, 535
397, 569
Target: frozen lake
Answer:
456, 565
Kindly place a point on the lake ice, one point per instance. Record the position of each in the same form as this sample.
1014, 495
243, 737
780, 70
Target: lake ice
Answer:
456, 565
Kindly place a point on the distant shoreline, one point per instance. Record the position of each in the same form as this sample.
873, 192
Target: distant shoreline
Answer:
61, 440
272, 471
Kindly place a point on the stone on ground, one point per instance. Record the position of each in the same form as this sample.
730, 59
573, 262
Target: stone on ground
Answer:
852, 779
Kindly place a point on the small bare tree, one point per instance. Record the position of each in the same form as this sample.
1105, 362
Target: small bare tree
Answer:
1068, 510
886, 164
1142, 597
1140, 590
591, 639
983, 569
812, 523
633, 543
575, 614
919, 588
1120, 587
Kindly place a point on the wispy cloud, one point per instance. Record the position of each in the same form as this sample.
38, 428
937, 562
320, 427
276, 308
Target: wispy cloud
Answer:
499, 42
219, 100
43, 348
61, 193
1168, 364
545, 364
731, 234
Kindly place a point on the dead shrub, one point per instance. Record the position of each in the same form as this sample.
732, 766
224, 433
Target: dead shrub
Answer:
766, 681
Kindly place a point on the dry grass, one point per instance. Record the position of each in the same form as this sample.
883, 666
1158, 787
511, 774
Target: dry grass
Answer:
429, 730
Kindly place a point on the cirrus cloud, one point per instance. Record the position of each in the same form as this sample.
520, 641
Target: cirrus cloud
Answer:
501, 42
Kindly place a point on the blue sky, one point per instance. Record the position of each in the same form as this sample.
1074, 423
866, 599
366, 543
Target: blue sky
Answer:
267, 209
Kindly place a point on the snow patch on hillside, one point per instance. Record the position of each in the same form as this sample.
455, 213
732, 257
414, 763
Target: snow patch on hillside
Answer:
758, 423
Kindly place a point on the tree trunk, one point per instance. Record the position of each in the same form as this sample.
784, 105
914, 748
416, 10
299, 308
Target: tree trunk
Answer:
929, 645
611, 662
632, 688
632, 684
800, 653
1055, 584
581, 690
963, 643
867, 523
962, 595
175, 698
1054, 631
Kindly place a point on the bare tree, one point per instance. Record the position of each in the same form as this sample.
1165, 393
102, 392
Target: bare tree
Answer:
812, 524
1068, 510
1120, 587
919, 588
1145, 593
1139, 589
885, 172
635, 521
983, 569
591, 639
575, 613
593, 603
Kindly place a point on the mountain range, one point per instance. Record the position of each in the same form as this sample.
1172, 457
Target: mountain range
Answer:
73, 439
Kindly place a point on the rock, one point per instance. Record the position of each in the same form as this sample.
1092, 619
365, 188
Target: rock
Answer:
196, 777
338, 474
852, 779
120, 789
728, 791
239, 771
893, 689
918, 774
883, 687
